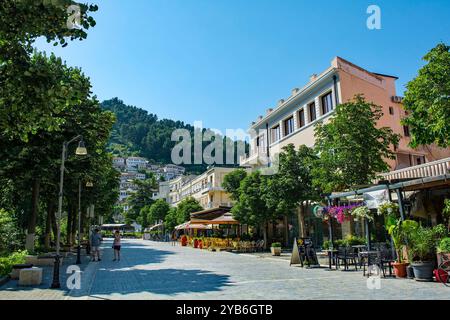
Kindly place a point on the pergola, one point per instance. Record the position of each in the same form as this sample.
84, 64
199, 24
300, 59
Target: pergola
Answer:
398, 186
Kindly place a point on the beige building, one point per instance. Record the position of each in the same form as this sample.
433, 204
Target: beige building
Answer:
293, 120
205, 188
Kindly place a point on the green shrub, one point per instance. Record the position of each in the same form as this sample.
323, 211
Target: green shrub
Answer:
326, 245
276, 245
11, 238
351, 240
6, 263
444, 246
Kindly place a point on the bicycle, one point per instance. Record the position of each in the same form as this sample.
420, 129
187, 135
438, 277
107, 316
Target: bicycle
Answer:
442, 273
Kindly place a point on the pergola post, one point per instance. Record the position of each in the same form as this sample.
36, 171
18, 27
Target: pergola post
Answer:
401, 206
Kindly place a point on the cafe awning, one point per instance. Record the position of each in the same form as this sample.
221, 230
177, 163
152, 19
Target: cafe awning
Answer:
225, 218
189, 225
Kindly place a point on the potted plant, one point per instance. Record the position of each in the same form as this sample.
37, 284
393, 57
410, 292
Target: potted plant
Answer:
398, 232
422, 246
184, 241
443, 250
275, 249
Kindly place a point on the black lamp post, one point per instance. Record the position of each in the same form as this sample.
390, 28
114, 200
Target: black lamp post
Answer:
89, 184
80, 151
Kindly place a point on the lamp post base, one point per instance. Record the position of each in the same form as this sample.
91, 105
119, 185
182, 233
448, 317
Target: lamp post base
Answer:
78, 255
55, 282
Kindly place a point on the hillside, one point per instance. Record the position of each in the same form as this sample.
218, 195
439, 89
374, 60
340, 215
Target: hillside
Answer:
140, 133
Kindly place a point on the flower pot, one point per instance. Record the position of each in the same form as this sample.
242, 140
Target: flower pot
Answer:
200, 244
195, 243
423, 271
441, 275
400, 269
410, 272
276, 251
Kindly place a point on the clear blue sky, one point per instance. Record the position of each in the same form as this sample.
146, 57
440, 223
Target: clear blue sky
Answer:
226, 61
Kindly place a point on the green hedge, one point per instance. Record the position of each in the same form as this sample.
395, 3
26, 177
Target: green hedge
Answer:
6, 263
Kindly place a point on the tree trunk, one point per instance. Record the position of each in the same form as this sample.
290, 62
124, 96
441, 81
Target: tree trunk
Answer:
48, 224
54, 225
31, 228
301, 221
265, 235
286, 231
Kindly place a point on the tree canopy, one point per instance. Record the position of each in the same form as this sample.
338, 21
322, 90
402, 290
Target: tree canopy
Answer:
427, 100
352, 149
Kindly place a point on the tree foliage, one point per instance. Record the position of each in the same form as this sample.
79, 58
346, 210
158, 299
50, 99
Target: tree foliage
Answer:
186, 207
427, 100
352, 149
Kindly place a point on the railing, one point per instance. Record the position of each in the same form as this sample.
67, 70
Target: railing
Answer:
431, 169
258, 151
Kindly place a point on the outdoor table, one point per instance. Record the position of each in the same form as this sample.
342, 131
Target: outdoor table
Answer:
360, 248
368, 254
330, 257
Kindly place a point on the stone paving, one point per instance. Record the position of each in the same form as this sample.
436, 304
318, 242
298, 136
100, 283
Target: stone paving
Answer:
152, 270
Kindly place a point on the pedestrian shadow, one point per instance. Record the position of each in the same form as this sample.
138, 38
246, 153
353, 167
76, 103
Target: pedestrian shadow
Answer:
160, 281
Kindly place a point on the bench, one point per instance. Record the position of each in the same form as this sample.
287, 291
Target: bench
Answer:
30, 277
15, 273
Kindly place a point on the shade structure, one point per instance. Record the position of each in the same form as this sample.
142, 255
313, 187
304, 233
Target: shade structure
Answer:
159, 225
226, 218
188, 226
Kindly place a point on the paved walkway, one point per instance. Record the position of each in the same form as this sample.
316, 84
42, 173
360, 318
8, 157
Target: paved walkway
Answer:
151, 270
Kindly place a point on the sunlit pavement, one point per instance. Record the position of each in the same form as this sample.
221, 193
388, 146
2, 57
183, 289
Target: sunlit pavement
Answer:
152, 270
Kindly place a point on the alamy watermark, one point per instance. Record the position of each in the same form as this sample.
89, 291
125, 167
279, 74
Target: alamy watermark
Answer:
374, 280
74, 18
74, 280
209, 147
374, 20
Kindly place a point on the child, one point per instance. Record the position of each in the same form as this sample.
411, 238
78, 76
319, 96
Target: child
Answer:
116, 245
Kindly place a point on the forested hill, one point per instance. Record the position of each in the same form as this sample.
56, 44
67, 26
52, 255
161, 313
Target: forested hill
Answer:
139, 133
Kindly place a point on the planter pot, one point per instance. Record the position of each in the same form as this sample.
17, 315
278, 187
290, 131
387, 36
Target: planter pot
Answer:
410, 272
400, 269
423, 271
200, 245
195, 244
441, 275
276, 251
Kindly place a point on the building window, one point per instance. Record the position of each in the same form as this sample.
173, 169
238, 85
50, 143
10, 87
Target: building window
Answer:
301, 118
288, 126
275, 133
327, 103
312, 112
406, 131
420, 160
391, 110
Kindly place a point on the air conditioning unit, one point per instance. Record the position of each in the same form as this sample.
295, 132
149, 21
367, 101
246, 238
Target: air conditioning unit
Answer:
397, 99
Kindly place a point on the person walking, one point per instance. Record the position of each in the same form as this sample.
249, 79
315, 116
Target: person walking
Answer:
116, 245
96, 240
174, 238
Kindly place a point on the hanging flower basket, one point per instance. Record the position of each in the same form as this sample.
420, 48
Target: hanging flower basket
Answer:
340, 213
362, 212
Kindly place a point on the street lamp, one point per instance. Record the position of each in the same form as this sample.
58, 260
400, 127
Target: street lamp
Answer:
80, 151
89, 184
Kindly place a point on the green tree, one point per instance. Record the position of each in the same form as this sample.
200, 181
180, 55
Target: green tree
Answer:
427, 100
142, 197
291, 187
158, 211
232, 181
352, 148
34, 91
252, 208
185, 208
171, 219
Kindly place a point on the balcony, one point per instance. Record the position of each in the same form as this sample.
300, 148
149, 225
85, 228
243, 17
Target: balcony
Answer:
257, 155
431, 169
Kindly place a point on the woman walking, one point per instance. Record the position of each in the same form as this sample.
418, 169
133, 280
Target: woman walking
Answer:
116, 245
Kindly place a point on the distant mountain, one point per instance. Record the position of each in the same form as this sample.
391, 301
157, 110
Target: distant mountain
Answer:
139, 133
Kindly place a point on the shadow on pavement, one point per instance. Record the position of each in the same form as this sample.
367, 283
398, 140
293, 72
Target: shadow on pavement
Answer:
161, 281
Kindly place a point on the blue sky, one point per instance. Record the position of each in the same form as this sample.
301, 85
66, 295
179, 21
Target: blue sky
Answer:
224, 62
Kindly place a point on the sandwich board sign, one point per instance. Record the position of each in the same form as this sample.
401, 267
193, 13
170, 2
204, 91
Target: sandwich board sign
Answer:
295, 256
